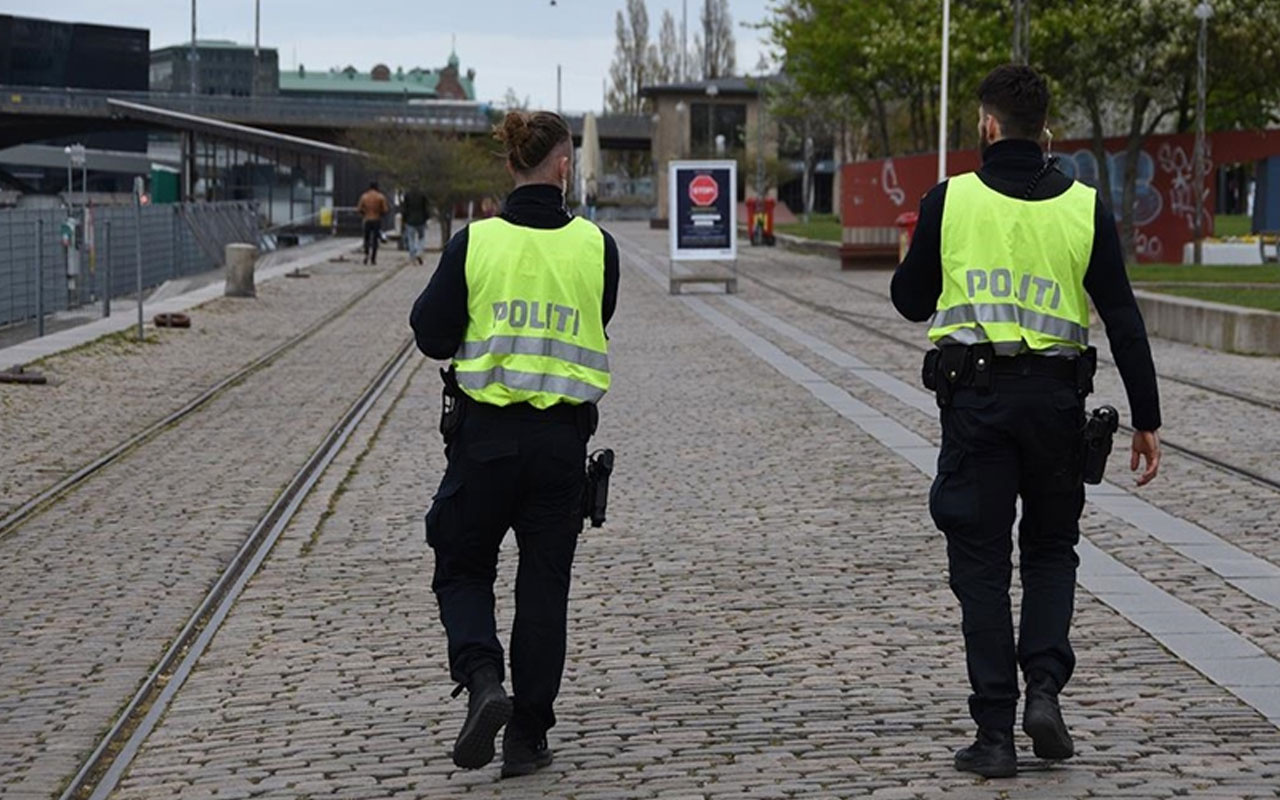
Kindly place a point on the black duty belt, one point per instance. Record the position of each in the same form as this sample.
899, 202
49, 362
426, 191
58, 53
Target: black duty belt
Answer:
958, 366
1061, 367
560, 412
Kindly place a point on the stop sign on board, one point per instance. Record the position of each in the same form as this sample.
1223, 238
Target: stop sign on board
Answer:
703, 190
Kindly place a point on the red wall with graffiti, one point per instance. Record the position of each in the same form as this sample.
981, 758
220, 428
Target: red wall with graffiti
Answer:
874, 193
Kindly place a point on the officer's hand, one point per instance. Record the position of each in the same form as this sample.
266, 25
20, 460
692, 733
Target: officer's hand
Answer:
1146, 445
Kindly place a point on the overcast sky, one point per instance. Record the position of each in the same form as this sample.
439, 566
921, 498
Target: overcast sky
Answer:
509, 43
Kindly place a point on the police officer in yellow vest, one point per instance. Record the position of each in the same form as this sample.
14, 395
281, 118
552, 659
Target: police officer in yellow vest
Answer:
1002, 260
520, 303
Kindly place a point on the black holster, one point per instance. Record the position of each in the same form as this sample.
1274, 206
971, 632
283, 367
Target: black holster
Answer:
453, 405
595, 500
1099, 428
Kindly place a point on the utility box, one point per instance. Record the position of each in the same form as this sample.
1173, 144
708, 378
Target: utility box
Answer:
164, 185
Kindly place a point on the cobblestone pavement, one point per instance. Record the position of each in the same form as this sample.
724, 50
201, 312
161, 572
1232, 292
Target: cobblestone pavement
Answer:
765, 615
105, 392
98, 584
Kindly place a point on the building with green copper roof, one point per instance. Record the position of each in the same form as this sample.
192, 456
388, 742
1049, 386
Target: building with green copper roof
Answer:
228, 68
381, 83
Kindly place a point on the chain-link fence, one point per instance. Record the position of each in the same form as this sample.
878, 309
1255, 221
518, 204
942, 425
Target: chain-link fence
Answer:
38, 273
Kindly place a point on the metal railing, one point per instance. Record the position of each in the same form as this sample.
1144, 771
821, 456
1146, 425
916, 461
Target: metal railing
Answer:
177, 240
457, 116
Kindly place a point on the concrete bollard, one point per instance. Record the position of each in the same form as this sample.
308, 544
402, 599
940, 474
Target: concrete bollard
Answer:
240, 259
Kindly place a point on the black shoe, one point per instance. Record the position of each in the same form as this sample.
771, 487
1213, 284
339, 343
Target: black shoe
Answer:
991, 755
522, 755
1042, 721
488, 709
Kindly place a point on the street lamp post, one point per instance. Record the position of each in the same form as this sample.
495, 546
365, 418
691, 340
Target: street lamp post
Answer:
194, 55
942, 110
1203, 12
1021, 32
713, 91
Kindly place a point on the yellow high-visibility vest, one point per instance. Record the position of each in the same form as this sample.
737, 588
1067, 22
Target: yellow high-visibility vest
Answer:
1013, 270
536, 331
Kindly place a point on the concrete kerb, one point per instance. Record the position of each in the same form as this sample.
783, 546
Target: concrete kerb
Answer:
125, 315
1219, 326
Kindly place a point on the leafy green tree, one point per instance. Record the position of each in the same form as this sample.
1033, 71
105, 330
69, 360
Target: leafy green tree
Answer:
1147, 81
449, 169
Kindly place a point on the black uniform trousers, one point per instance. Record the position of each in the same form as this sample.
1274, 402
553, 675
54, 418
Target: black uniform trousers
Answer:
1020, 438
522, 469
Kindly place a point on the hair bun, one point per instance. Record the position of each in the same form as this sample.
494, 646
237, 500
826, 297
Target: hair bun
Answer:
530, 137
514, 131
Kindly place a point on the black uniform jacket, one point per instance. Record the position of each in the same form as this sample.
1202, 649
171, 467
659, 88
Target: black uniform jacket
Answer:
439, 316
1009, 167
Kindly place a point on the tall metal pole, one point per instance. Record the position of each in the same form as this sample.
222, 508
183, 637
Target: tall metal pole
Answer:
137, 244
257, 46
106, 268
1203, 12
39, 277
195, 88
684, 41
706, 40
1021, 32
760, 177
942, 111
559, 106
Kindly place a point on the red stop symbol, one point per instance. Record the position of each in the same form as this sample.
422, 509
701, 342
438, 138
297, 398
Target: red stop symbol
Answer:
703, 190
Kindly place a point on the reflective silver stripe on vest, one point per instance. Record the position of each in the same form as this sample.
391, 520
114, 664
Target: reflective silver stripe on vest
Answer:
972, 336
531, 382
1008, 312
534, 346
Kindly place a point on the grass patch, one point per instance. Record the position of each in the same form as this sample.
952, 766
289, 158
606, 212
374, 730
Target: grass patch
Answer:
1266, 299
1232, 225
1175, 273
824, 227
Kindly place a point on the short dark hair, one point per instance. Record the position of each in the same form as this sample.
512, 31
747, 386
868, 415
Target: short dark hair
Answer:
1018, 97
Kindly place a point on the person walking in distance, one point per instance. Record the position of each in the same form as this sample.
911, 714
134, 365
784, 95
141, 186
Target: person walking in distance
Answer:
520, 303
414, 214
372, 207
1002, 261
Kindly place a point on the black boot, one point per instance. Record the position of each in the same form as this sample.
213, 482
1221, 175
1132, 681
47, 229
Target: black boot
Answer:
991, 755
1042, 720
523, 755
488, 709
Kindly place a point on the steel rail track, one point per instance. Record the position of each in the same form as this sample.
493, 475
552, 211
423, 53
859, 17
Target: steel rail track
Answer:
1190, 452
46, 498
1271, 405
102, 770
854, 320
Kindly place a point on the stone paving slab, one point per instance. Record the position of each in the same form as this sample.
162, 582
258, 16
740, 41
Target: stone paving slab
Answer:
765, 615
98, 584
1238, 511
106, 391
1205, 643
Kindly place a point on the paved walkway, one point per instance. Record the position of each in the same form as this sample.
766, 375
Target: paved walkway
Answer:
766, 613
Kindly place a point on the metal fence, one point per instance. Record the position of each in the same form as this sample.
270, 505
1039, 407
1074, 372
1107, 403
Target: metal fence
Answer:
178, 239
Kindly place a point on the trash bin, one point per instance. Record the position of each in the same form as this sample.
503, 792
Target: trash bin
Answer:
906, 223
